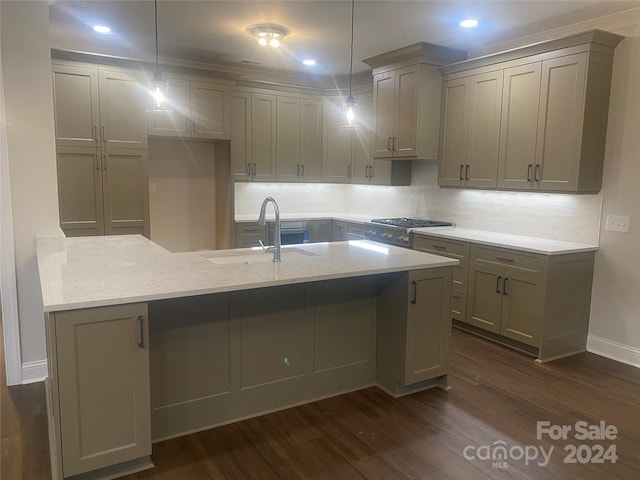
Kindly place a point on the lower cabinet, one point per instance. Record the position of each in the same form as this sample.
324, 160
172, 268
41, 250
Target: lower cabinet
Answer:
413, 330
250, 234
99, 395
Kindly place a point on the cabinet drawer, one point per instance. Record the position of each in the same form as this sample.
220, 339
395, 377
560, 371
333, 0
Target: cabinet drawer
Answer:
527, 262
441, 247
248, 234
460, 276
459, 305
355, 230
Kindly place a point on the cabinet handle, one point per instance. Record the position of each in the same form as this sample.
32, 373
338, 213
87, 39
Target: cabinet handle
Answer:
395, 144
298, 174
105, 157
529, 170
254, 170
372, 171
140, 331
104, 136
95, 132
498, 283
461, 172
439, 247
504, 259
367, 171
414, 284
504, 286
536, 175
466, 172
389, 143
248, 169
303, 169
97, 159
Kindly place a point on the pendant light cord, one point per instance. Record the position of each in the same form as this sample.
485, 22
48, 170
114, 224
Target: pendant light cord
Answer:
353, 5
155, 4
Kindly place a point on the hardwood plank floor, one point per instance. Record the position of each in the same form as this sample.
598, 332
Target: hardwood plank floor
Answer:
498, 395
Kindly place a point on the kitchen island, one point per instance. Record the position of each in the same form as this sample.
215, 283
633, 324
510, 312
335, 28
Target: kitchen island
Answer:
145, 345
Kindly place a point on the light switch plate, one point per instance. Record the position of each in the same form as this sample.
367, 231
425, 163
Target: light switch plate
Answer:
618, 223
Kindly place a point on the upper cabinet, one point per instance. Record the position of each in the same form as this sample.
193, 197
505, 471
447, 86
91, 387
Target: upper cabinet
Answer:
406, 100
98, 108
532, 119
197, 109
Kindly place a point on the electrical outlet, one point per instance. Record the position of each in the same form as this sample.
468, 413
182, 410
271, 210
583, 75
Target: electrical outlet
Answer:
618, 223
152, 187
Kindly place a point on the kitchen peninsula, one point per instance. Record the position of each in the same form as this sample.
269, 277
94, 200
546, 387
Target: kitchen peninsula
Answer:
144, 344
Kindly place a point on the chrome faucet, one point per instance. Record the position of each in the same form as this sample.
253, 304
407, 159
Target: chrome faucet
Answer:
262, 220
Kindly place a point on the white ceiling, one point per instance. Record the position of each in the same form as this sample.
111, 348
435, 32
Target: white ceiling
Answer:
214, 32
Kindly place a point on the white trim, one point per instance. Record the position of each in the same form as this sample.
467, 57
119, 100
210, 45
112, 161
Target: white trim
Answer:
33, 372
614, 350
8, 285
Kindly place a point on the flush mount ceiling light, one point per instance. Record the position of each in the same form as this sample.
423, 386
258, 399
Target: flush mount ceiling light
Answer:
309, 62
268, 34
158, 86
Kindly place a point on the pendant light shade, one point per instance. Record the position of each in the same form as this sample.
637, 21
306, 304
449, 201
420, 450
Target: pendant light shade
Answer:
158, 86
351, 106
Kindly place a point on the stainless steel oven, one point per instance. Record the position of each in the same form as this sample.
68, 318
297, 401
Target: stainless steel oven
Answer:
292, 232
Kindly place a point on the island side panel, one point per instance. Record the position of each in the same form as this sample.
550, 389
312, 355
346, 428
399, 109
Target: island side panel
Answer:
223, 357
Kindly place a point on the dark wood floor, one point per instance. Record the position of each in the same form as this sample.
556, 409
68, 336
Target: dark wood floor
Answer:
498, 395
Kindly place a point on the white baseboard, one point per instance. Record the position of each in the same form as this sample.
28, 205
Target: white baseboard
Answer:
614, 350
33, 372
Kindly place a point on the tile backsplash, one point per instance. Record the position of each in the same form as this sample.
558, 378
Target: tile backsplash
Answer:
572, 218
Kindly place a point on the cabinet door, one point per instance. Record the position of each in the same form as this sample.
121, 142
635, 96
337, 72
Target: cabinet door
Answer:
321, 231
405, 117
522, 302
241, 165
103, 385
210, 110
336, 154
560, 123
361, 143
428, 324
263, 137
338, 231
483, 136
311, 140
484, 303
288, 139
174, 122
80, 191
76, 106
383, 101
520, 101
125, 181
122, 110
453, 132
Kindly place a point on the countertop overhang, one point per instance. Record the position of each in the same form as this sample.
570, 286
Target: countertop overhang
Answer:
86, 272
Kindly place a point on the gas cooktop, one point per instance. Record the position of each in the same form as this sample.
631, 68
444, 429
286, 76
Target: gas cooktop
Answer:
410, 222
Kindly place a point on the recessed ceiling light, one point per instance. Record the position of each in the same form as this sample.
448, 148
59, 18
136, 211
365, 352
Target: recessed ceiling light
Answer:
469, 23
101, 28
309, 62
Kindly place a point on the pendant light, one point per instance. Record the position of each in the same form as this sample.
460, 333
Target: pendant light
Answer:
351, 106
158, 86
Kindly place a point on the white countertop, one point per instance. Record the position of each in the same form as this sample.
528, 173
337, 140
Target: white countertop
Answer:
505, 240
347, 217
98, 271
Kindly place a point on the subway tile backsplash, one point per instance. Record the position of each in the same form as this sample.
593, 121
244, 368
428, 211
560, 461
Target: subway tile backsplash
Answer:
572, 218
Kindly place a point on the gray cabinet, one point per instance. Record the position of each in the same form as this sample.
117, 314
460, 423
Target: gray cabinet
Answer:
459, 274
101, 150
253, 136
413, 329
548, 116
196, 109
249, 234
99, 390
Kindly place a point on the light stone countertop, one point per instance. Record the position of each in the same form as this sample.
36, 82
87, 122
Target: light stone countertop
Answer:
347, 217
109, 270
505, 240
